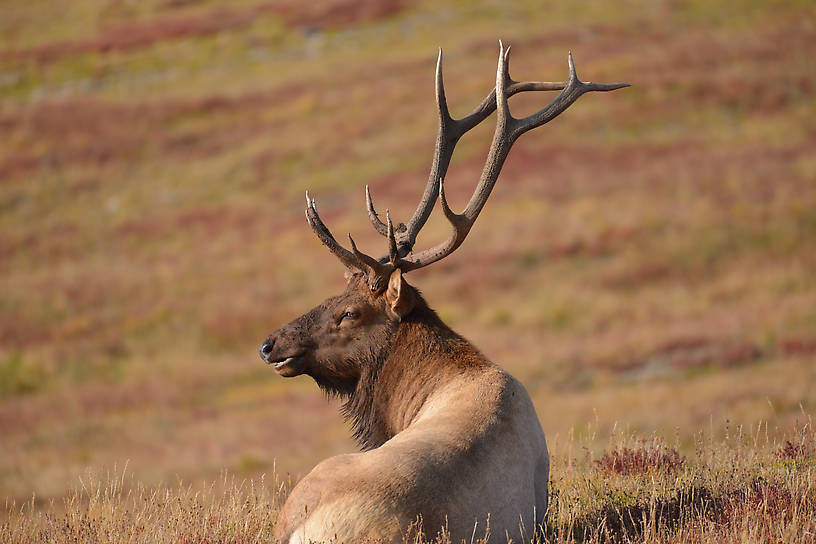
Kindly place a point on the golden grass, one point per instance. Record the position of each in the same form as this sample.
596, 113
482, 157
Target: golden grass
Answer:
744, 487
115, 508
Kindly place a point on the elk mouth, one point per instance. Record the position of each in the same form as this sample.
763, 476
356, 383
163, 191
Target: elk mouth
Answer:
288, 366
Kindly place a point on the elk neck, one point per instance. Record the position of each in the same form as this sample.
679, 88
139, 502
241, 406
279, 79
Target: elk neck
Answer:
425, 354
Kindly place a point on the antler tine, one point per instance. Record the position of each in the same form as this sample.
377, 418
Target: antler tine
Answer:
507, 131
502, 140
379, 226
446, 138
371, 263
461, 227
462, 223
571, 92
393, 253
356, 259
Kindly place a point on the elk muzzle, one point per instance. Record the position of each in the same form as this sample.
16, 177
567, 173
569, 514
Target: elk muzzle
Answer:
287, 363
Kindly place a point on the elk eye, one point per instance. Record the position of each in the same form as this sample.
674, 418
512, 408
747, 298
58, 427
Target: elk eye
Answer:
348, 315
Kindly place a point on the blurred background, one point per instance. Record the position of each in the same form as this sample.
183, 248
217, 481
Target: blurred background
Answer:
646, 264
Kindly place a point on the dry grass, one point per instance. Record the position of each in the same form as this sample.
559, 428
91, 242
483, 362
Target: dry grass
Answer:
740, 489
641, 459
115, 508
734, 490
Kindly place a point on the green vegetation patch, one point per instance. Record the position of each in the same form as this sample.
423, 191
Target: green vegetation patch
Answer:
19, 376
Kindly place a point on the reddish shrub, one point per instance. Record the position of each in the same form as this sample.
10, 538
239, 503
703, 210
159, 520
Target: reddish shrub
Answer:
798, 346
138, 34
640, 460
696, 352
793, 451
774, 500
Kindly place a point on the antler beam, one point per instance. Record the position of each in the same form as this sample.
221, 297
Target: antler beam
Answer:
508, 129
448, 135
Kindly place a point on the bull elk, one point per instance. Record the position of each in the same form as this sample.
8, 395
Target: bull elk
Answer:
448, 438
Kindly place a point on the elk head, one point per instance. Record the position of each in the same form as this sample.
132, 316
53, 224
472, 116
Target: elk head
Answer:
343, 338
346, 337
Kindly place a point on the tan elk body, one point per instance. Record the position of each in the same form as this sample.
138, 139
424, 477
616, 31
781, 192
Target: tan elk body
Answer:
450, 440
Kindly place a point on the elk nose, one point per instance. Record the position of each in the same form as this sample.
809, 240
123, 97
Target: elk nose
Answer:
266, 349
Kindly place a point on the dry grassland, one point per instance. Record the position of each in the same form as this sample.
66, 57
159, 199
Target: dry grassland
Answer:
646, 265
740, 489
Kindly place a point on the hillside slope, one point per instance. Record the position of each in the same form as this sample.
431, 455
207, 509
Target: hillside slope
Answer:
646, 261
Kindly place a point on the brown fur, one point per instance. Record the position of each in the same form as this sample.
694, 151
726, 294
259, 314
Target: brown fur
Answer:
448, 437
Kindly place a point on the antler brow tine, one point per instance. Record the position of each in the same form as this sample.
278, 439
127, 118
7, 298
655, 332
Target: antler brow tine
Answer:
352, 259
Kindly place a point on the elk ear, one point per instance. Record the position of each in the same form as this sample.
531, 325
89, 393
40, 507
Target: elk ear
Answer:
399, 299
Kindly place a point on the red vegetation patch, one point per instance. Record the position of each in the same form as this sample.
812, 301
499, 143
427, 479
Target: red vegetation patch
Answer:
135, 35
641, 460
97, 132
606, 242
627, 523
20, 332
638, 276
775, 501
138, 34
334, 13
794, 452
798, 346
698, 352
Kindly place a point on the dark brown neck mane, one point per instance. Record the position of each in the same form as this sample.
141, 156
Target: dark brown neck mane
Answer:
424, 353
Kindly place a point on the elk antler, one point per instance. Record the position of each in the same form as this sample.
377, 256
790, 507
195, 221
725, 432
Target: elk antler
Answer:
508, 129
376, 271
